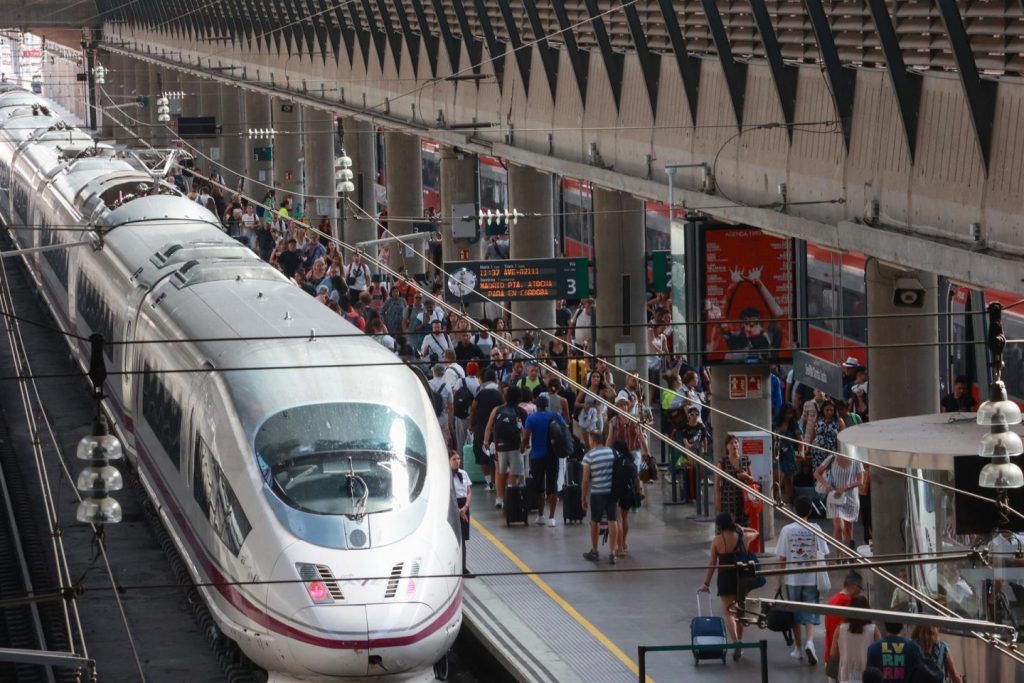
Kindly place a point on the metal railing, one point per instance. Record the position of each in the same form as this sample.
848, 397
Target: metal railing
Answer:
642, 650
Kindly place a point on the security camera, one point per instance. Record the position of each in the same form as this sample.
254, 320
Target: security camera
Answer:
908, 291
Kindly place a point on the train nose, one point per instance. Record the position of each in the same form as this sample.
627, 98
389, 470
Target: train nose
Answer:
335, 641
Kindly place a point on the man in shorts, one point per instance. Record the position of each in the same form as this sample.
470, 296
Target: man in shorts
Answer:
798, 546
504, 430
543, 464
597, 494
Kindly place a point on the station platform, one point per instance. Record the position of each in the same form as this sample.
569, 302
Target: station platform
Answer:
587, 626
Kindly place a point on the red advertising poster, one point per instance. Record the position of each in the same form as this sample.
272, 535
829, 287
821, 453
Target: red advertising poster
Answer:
753, 386
748, 295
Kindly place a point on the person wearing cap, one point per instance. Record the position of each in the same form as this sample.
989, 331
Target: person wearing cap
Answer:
623, 426
543, 465
850, 366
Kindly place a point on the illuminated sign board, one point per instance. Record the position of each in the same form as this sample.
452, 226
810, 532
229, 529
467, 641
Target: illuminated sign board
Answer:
517, 280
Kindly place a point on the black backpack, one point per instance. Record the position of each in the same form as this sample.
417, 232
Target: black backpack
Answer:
560, 443
462, 400
506, 426
928, 670
437, 400
623, 474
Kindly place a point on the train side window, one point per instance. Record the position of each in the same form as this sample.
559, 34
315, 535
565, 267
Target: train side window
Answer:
162, 413
217, 499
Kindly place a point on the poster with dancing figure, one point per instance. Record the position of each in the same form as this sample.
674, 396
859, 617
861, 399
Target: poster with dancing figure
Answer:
748, 296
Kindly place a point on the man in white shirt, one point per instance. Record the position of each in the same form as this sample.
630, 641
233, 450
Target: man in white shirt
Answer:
438, 386
580, 326
453, 378
436, 344
798, 546
357, 275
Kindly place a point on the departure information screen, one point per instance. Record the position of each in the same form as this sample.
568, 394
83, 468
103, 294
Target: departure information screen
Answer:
517, 280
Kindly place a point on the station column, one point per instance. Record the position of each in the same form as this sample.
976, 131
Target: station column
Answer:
318, 141
288, 150
258, 149
231, 118
531, 192
458, 186
903, 381
621, 279
360, 145
403, 171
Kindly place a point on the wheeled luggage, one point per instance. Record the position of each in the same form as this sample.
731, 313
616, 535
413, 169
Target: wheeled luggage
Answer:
707, 630
516, 507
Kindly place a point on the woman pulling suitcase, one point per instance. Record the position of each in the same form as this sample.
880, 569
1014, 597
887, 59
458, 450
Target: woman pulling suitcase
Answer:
730, 539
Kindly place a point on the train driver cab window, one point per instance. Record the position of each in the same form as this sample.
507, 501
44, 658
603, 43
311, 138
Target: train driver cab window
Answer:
342, 458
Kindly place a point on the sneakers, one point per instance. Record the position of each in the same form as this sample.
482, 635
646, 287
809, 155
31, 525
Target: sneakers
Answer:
540, 520
611, 558
499, 504
552, 523
812, 656
591, 555
796, 653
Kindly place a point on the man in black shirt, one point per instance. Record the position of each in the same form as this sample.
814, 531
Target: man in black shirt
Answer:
290, 259
466, 350
487, 399
960, 401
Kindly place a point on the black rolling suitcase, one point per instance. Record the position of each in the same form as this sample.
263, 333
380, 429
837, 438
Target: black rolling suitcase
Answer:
516, 507
572, 494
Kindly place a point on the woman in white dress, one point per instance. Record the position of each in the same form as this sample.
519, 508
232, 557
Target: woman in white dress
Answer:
841, 478
850, 643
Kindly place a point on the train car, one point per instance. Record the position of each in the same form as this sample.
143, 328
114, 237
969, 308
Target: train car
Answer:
304, 477
835, 288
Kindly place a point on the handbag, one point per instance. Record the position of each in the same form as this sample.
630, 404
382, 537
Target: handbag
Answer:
832, 666
744, 555
822, 580
820, 488
778, 620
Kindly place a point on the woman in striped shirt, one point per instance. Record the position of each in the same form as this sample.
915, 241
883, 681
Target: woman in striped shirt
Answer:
841, 477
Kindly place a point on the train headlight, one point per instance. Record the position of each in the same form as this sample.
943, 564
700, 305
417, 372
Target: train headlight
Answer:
316, 587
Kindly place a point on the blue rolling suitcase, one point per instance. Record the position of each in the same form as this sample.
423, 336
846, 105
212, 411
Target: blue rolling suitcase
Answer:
707, 630
516, 507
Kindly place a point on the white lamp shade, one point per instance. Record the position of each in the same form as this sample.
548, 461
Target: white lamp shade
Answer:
106, 478
98, 511
1001, 475
105, 447
1000, 445
1004, 412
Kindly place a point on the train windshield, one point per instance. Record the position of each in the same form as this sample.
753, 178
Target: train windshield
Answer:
342, 458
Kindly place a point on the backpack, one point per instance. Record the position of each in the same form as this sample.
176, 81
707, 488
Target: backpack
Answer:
462, 400
506, 425
560, 443
927, 671
623, 474
437, 400
931, 668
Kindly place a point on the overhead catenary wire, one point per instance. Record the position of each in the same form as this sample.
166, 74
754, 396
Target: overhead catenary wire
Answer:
570, 345
7, 302
911, 590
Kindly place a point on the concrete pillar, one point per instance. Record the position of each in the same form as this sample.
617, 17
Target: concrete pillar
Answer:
621, 278
232, 139
288, 149
531, 191
361, 146
458, 186
902, 381
318, 142
260, 172
209, 105
403, 171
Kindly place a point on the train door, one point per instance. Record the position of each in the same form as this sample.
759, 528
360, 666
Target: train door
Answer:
960, 328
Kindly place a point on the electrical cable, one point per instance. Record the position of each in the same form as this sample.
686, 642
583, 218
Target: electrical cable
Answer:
7, 296
911, 590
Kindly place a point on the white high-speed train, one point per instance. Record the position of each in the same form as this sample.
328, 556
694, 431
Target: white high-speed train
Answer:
332, 481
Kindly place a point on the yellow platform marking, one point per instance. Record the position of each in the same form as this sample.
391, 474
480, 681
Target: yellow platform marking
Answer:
550, 592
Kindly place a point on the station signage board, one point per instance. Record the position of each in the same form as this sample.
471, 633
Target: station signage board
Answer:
818, 373
747, 295
544, 279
